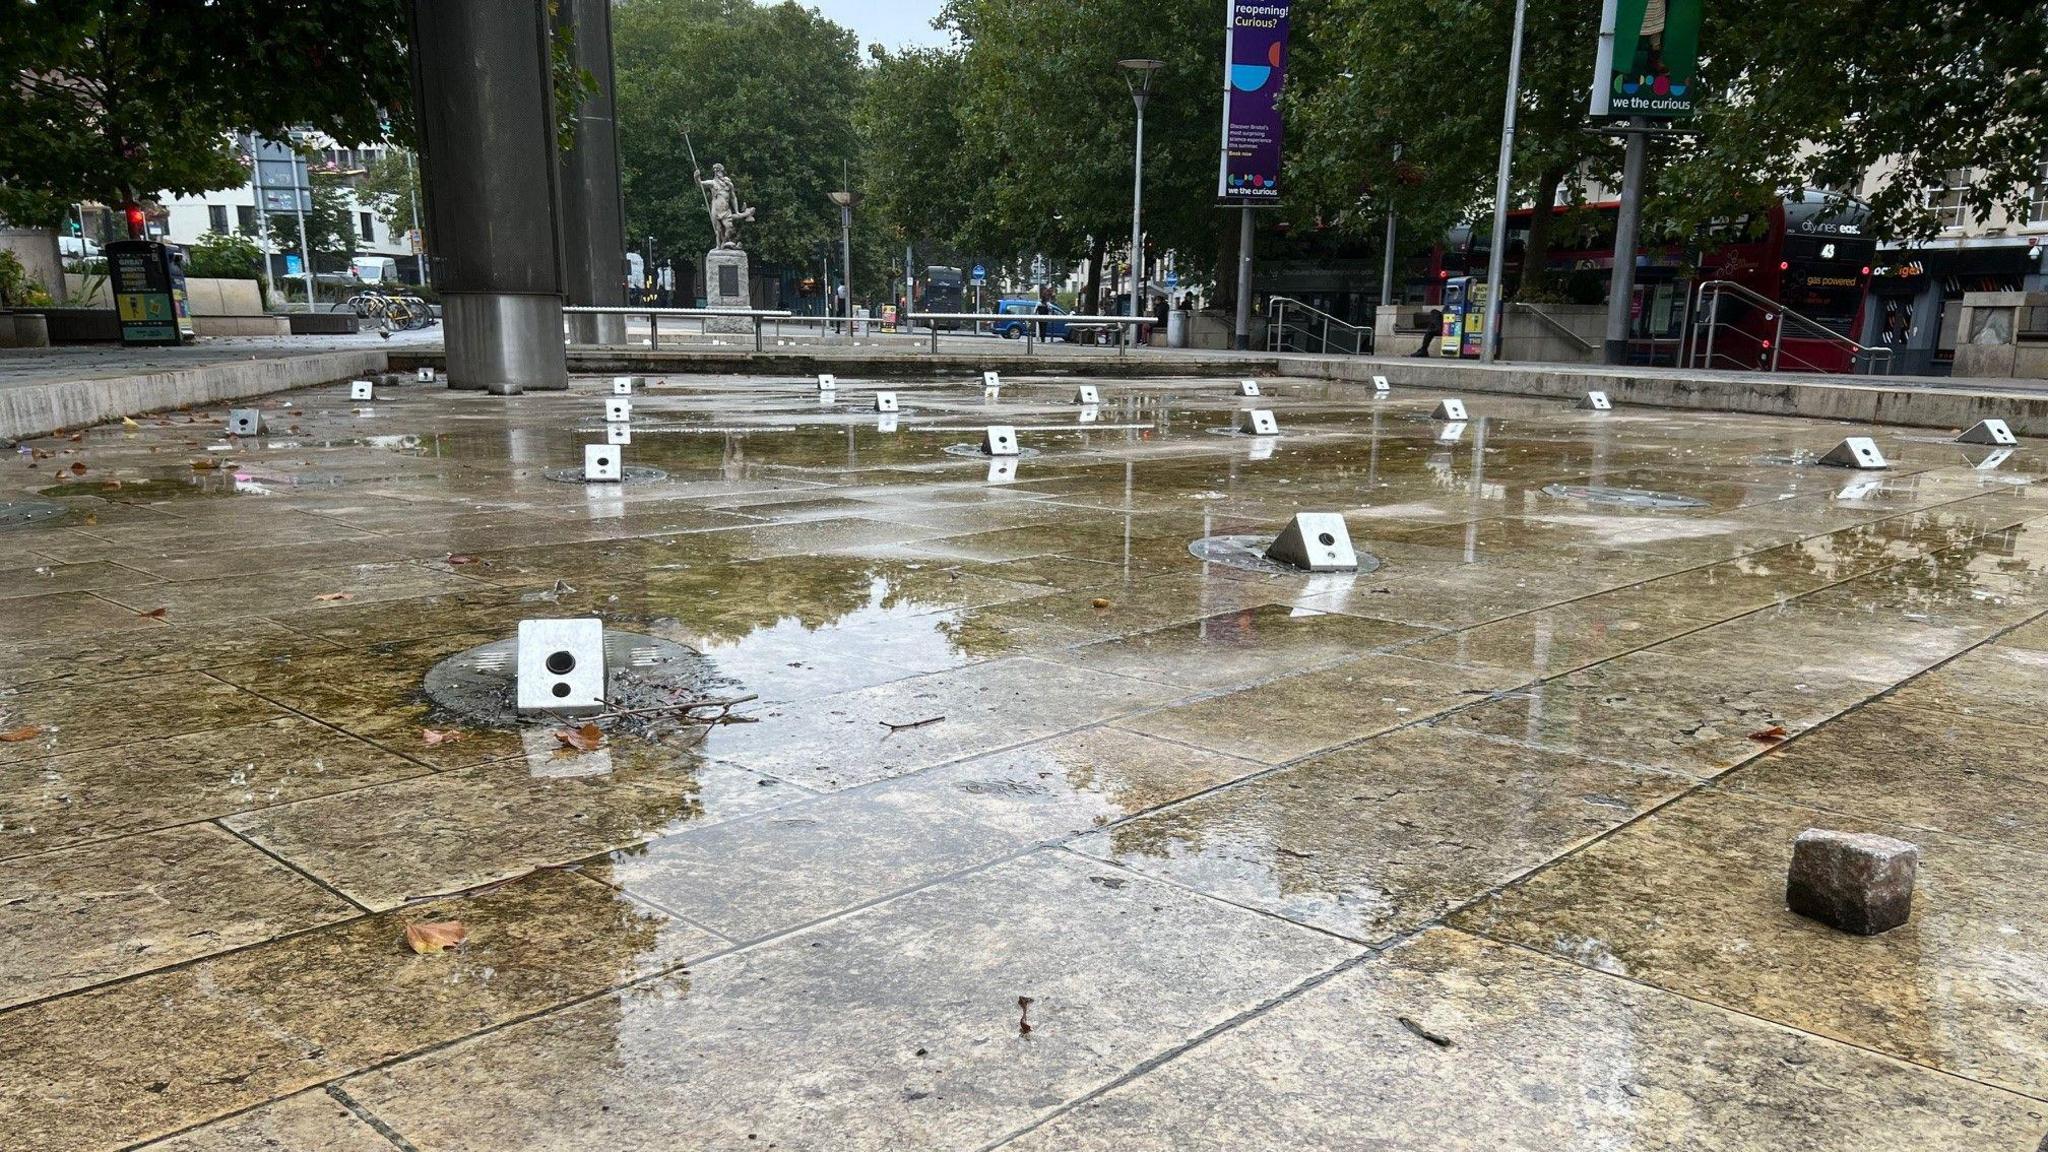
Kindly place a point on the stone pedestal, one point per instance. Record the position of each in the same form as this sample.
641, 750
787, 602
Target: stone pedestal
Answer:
726, 285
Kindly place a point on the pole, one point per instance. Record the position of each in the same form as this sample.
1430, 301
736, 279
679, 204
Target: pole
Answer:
1137, 208
262, 218
846, 261
1498, 247
1244, 279
305, 250
1621, 297
419, 238
1387, 266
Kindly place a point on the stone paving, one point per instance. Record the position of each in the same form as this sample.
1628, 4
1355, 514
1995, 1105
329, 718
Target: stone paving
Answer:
1032, 831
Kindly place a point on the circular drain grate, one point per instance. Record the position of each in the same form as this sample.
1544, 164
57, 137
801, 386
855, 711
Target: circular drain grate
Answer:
628, 474
15, 513
975, 451
641, 672
1249, 553
1622, 497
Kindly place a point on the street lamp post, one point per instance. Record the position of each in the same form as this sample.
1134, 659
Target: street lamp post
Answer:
1138, 78
846, 198
1497, 250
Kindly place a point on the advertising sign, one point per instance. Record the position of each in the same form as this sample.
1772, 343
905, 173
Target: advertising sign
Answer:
1649, 59
140, 276
1254, 67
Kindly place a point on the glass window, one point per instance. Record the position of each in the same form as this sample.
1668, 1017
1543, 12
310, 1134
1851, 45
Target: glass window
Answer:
2039, 207
217, 217
369, 226
1946, 202
245, 219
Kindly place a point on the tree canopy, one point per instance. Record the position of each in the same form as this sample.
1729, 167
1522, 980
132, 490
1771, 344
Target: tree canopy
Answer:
117, 98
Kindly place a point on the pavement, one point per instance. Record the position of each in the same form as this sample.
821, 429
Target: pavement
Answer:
956, 803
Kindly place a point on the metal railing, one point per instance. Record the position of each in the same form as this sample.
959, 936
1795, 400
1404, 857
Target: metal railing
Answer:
1770, 350
1315, 331
1033, 323
1555, 325
653, 314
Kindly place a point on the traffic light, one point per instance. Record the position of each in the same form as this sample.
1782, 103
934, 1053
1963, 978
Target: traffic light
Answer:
136, 222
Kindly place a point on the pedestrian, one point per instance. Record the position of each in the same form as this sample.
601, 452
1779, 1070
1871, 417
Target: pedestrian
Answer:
1433, 327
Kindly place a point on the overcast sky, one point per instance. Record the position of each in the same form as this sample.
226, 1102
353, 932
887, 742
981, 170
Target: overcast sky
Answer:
890, 23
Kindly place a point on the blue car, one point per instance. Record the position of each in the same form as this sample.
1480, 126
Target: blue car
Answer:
1017, 314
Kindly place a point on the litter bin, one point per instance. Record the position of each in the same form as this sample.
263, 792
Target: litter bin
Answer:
1177, 328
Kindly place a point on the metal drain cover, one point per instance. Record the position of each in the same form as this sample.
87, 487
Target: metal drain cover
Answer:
1622, 497
628, 474
15, 513
641, 672
1249, 553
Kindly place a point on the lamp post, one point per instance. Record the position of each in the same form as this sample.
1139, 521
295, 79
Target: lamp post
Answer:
846, 199
1497, 250
1138, 78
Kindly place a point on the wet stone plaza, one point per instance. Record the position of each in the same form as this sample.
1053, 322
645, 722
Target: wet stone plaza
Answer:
947, 801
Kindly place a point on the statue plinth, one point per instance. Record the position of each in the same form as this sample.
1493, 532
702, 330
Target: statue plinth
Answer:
726, 285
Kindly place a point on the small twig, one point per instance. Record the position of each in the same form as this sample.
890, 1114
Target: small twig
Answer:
682, 706
1024, 1015
913, 724
1426, 1034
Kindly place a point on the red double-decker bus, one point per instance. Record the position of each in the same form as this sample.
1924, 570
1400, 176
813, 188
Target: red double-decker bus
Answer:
1798, 277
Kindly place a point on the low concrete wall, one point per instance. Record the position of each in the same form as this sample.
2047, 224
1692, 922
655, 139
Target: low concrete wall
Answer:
1528, 337
210, 297
39, 409
36, 248
241, 326
1860, 400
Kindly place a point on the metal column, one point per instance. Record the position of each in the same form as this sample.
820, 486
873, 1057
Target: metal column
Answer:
593, 215
1621, 295
1243, 331
483, 87
1497, 247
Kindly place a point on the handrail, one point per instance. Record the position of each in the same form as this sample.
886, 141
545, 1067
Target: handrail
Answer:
1031, 322
1276, 328
1708, 318
1556, 325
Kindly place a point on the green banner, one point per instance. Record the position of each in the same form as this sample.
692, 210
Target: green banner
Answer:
1655, 68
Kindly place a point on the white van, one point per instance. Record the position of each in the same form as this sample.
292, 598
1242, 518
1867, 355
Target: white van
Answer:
374, 269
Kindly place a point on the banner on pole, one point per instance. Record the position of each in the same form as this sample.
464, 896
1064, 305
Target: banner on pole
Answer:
1652, 69
1254, 67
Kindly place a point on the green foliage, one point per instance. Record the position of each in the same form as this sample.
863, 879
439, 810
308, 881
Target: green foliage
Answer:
113, 98
16, 289
330, 226
224, 257
390, 188
767, 91
916, 173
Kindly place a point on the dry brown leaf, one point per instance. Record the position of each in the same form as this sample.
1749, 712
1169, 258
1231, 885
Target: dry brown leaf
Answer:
1099, 602
206, 465
433, 736
78, 468
154, 613
25, 732
588, 738
77, 436
456, 558
1771, 735
335, 596
427, 939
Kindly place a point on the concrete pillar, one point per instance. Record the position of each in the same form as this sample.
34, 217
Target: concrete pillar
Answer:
485, 100
593, 215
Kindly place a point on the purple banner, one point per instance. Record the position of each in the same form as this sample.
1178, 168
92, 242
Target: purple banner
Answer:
1255, 64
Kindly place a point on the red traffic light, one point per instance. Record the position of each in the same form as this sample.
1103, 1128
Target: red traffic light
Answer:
136, 221
1784, 265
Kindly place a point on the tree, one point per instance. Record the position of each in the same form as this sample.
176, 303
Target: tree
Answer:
916, 172
1049, 127
390, 188
224, 257
330, 226
113, 99
1814, 95
767, 91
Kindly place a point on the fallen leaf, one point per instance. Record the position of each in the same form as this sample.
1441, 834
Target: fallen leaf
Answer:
78, 468
330, 596
206, 465
1771, 735
433, 736
427, 939
111, 486
588, 738
127, 423
454, 558
76, 437
1024, 1015
154, 613
1098, 602
25, 732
